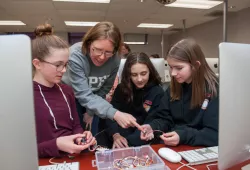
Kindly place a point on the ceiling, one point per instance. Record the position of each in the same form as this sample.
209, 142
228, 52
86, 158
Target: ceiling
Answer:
126, 14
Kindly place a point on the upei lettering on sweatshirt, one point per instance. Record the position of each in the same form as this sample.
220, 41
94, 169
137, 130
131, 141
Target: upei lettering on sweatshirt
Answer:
96, 82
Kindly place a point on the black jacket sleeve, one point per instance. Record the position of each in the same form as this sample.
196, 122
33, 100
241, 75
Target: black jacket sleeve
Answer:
208, 134
113, 127
155, 103
161, 118
134, 139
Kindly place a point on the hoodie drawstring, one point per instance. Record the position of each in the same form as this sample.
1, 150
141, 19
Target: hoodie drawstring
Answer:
70, 115
50, 111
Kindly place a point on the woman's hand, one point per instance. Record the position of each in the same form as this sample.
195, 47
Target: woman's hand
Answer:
126, 120
88, 120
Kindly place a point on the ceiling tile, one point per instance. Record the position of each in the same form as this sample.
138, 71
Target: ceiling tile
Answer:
77, 15
80, 6
30, 8
126, 14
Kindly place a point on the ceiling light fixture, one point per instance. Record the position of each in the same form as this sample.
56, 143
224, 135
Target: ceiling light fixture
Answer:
199, 4
80, 23
134, 43
5, 22
89, 1
150, 25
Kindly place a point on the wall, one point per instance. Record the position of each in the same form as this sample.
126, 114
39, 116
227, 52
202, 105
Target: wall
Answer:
153, 46
63, 35
210, 34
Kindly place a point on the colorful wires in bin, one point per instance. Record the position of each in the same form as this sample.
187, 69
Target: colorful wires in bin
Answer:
132, 162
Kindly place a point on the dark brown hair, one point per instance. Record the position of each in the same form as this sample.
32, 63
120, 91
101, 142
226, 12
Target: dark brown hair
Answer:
204, 79
126, 83
155, 56
127, 47
45, 41
102, 30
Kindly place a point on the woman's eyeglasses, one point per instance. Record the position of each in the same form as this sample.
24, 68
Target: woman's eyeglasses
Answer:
99, 52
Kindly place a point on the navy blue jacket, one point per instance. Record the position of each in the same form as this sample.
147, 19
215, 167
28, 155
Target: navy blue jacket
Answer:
145, 102
196, 127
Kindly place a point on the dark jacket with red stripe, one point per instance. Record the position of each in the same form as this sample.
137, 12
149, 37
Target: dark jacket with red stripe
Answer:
145, 102
195, 126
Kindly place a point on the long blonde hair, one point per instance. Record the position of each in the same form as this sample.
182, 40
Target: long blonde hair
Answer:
204, 79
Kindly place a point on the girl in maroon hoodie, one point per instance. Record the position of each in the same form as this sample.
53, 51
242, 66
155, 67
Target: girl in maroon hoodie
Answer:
57, 123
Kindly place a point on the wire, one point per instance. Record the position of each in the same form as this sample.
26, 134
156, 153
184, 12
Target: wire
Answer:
158, 131
187, 165
132, 162
95, 146
55, 163
155, 139
145, 132
99, 132
183, 165
210, 165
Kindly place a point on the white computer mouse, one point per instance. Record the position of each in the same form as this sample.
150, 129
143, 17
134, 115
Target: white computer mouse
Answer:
169, 155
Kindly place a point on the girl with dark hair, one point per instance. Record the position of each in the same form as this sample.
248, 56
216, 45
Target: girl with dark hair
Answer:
191, 100
154, 56
139, 94
125, 50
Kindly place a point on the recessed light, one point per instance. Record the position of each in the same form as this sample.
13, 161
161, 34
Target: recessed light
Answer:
199, 4
134, 43
89, 1
5, 22
151, 25
80, 23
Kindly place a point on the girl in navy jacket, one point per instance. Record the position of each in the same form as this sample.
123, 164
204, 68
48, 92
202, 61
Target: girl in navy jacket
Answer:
139, 94
191, 100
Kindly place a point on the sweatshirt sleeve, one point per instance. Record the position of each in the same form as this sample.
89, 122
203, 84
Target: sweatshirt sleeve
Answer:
161, 117
79, 81
106, 87
208, 134
48, 149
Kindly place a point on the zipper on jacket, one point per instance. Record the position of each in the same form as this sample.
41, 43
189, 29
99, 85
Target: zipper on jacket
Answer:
182, 103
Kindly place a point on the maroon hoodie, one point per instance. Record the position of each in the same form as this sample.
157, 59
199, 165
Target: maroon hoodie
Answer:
56, 116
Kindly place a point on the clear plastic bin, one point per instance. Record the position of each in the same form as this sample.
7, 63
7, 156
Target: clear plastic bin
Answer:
104, 160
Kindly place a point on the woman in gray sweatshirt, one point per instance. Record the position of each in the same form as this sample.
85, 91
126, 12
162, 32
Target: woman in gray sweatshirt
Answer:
92, 68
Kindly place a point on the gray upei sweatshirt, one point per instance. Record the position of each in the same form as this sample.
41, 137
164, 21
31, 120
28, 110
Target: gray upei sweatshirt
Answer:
91, 83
